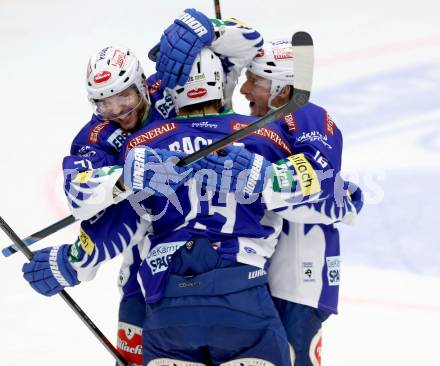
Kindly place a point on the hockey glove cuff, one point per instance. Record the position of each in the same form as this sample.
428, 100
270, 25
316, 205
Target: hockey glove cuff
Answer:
180, 44
50, 271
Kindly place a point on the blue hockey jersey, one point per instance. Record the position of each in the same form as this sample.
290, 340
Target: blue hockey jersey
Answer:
246, 233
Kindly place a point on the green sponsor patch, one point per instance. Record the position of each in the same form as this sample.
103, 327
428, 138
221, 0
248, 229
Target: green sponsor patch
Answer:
282, 177
75, 252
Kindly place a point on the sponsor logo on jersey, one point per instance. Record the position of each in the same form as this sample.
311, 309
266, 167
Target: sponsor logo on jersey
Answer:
118, 59
194, 24
197, 93
204, 124
308, 179
146, 137
129, 343
96, 132
308, 272
333, 270
266, 133
256, 274
102, 77
282, 177
245, 362
315, 349
83, 177
86, 242
282, 53
117, 139
159, 257
314, 136
289, 119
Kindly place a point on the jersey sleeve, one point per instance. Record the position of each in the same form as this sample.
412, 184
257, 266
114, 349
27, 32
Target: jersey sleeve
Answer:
306, 187
236, 45
90, 171
116, 230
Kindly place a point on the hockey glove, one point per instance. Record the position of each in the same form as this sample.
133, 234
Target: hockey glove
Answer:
50, 271
154, 170
233, 169
180, 44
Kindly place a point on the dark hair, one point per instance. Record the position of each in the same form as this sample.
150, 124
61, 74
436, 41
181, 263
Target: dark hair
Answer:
200, 106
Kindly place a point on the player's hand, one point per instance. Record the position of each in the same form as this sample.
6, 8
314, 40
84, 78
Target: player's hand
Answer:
180, 44
155, 170
50, 271
233, 169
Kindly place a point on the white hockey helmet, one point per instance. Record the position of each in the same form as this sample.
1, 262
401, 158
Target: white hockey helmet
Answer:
274, 62
205, 82
113, 70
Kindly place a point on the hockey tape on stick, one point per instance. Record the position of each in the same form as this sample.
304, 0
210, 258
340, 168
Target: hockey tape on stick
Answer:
66, 297
39, 235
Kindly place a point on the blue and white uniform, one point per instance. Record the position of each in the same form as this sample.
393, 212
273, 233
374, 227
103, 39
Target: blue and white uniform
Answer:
241, 233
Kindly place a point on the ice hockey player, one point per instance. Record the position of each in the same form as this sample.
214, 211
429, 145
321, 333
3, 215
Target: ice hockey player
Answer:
208, 300
90, 153
116, 89
303, 303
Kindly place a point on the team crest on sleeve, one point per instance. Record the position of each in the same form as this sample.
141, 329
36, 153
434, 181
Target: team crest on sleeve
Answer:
159, 257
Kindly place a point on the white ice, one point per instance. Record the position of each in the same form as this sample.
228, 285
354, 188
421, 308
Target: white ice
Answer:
377, 73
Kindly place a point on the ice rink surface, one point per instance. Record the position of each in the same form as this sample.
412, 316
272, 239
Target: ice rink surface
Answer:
377, 72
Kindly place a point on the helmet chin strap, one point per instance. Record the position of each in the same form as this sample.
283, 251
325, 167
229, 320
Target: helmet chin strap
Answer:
275, 89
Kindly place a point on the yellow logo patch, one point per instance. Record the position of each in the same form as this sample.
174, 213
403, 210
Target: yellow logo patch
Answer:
83, 177
308, 179
86, 243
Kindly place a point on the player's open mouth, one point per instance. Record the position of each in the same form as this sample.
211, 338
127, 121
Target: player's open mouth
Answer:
251, 104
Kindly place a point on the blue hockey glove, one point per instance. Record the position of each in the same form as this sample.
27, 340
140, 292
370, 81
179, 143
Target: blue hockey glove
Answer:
155, 170
235, 168
50, 271
179, 46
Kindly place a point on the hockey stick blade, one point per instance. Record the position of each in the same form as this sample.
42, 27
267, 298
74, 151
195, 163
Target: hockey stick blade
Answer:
66, 297
303, 70
39, 235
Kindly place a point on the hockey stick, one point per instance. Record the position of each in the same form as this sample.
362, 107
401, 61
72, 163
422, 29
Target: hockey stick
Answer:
303, 63
218, 13
66, 297
35, 237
